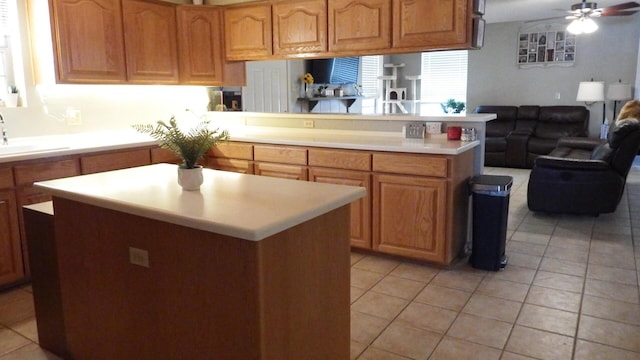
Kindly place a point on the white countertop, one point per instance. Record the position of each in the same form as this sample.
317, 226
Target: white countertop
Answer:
29, 148
356, 140
244, 206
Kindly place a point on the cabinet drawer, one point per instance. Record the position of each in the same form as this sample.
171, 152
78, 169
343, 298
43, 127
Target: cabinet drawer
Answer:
115, 160
233, 151
280, 154
28, 174
6, 178
291, 172
340, 159
426, 165
160, 155
235, 165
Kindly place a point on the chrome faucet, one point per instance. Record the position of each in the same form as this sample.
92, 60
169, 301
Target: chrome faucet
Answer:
5, 137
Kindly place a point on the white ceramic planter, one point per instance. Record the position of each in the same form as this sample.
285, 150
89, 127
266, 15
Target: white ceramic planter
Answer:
190, 179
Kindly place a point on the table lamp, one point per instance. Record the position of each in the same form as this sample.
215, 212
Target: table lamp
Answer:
592, 92
618, 92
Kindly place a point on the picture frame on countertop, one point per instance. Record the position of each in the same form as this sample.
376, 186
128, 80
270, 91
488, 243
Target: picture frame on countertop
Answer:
478, 6
478, 32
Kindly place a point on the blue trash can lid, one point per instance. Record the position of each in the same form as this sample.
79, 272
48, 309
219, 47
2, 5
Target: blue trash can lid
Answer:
491, 182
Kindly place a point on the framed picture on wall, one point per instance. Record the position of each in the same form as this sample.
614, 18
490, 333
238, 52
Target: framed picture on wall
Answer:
547, 47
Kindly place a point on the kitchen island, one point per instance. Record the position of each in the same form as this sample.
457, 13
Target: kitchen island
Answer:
249, 267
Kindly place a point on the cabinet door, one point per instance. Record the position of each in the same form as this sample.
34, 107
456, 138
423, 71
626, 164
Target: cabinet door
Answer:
11, 265
292, 172
247, 32
115, 160
88, 41
150, 39
200, 45
299, 27
360, 209
409, 215
431, 23
359, 25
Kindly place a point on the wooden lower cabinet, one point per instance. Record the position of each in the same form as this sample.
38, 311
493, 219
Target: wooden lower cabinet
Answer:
285, 171
115, 160
360, 209
234, 165
11, 264
409, 216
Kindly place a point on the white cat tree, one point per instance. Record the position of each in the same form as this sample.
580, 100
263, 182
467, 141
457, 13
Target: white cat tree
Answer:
395, 97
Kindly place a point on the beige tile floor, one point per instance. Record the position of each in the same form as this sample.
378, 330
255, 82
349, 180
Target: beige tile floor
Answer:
570, 291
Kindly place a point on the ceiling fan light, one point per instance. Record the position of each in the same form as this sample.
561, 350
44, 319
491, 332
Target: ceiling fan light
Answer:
575, 27
589, 26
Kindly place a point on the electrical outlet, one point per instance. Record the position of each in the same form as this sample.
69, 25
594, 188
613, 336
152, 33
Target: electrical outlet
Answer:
308, 123
73, 116
139, 257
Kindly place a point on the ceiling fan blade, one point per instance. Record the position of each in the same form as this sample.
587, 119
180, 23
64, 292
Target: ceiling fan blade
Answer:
618, 13
623, 6
545, 19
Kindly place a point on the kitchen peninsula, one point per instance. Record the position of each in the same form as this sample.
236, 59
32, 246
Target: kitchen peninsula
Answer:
249, 267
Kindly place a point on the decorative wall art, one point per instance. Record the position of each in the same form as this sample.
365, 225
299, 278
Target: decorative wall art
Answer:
546, 48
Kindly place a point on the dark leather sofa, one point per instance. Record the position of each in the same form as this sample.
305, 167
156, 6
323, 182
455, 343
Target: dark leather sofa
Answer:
584, 176
520, 134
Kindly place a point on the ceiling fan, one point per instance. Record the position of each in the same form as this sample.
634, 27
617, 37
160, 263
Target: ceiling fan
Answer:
582, 14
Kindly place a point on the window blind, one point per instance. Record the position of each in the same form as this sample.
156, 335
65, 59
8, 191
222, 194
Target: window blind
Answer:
371, 69
4, 17
444, 76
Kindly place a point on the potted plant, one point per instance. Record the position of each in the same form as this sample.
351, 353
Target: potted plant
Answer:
189, 146
12, 96
453, 107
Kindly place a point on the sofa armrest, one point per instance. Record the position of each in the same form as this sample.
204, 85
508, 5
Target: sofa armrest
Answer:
516, 154
571, 164
579, 142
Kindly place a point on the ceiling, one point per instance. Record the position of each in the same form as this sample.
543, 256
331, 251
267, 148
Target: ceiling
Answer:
526, 10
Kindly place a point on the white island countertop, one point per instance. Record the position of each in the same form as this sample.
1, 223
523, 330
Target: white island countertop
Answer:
244, 206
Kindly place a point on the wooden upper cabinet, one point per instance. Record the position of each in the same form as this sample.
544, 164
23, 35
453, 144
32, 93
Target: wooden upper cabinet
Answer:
88, 41
151, 42
431, 23
200, 45
359, 25
299, 27
247, 31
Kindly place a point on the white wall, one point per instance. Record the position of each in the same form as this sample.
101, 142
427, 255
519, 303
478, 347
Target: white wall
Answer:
609, 54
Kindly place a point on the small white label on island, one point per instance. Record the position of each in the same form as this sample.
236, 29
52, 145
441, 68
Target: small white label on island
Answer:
139, 257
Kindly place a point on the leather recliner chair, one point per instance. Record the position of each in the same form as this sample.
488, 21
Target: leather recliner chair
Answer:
584, 176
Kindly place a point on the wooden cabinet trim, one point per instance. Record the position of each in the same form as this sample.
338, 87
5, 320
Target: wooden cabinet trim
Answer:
280, 154
11, 256
341, 159
411, 164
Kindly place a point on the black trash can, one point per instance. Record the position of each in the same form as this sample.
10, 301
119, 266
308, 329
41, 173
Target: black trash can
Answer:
490, 211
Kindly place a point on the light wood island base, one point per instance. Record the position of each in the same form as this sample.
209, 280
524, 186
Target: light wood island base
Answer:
204, 295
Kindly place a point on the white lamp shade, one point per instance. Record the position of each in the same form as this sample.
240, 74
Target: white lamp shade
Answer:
582, 25
590, 91
619, 92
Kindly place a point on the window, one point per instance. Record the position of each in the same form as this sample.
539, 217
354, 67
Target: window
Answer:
444, 76
371, 69
6, 68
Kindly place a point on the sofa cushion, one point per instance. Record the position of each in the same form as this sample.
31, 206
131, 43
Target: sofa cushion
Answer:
555, 122
504, 122
495, 144
621, 130
527, 117
541, 146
